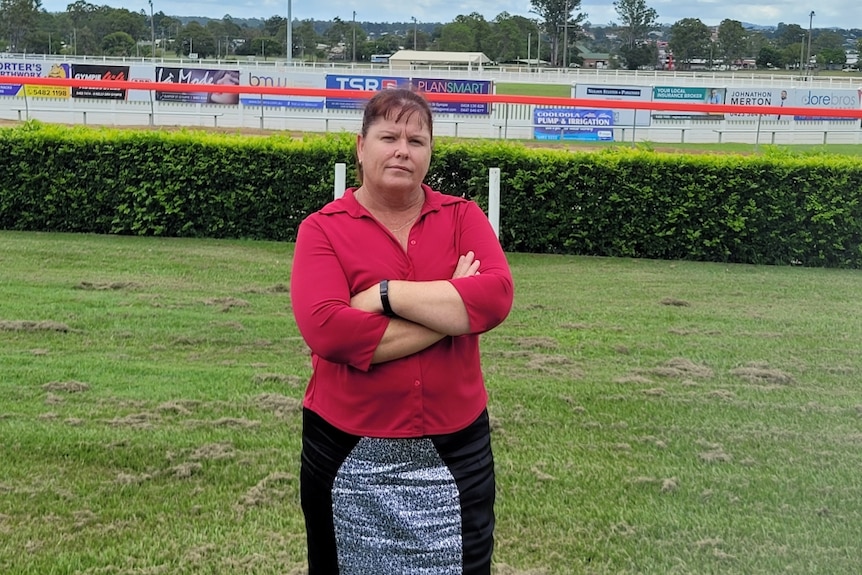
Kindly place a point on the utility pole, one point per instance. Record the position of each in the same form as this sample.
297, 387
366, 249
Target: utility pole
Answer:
810, 23
414, 33
354, 36
289, 34
801, 51
566, 38
152, 32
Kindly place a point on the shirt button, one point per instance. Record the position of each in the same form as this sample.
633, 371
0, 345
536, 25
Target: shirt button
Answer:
417, 383
412, 242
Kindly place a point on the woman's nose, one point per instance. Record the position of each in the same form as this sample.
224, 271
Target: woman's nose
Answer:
401, 149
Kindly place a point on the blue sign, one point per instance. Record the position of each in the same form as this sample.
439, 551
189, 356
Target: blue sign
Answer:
360, 83
573, 124
436, 86
422, 85
282, 103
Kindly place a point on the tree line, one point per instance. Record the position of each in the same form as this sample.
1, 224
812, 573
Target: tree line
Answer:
557, 36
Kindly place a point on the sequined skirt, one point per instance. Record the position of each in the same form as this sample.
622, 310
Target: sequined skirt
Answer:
397, 506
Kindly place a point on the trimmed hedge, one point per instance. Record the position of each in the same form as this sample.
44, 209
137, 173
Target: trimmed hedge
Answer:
620, 202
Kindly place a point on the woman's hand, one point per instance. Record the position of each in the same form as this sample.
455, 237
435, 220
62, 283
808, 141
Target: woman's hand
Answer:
369, 299
467, 266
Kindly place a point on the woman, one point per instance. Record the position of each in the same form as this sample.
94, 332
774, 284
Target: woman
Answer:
391, 286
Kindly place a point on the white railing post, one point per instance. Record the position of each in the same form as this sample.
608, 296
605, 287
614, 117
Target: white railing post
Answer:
340, 179
494, 199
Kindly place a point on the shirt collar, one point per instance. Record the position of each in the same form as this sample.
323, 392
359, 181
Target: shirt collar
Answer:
434, 200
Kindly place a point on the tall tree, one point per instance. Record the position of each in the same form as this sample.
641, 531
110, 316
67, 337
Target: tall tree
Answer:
118, 44
789, 34
457, 37
636, 21
559, 24
470, 33
18, 16
769, 56
689, 39
732, 41
506, 42
195, 39
306, 40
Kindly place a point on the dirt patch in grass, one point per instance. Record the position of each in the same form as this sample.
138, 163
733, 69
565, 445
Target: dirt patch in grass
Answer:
289, 380
26, 325
66, 386
142, 420
541, 342
759, 374
271, 489
102, 286
226, 303
680, 367
674, 302
281, 405
213, 451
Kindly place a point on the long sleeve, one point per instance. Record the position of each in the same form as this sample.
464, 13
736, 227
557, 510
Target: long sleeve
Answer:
320, 295
488, 296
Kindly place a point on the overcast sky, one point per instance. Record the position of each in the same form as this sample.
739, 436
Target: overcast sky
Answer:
838, 13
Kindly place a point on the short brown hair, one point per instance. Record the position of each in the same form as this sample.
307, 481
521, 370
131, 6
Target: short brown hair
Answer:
398, 101
395, 104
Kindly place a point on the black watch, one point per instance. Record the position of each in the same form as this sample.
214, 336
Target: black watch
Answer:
384, 299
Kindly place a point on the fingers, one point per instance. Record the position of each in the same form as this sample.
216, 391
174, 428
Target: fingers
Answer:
467, 266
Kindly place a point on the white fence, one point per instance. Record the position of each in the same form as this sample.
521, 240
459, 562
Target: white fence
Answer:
506, 120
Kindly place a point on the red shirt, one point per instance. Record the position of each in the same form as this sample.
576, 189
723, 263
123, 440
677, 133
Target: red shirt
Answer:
342, 250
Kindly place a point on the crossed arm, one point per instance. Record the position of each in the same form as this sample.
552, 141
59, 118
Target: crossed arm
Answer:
426, 312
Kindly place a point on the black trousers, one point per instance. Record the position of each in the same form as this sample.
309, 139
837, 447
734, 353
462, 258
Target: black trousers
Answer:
342, 516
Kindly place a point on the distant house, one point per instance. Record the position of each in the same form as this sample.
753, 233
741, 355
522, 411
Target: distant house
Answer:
593, 59
527, 62
404, 59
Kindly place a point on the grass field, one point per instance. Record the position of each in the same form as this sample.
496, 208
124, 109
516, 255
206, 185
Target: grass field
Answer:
648, 416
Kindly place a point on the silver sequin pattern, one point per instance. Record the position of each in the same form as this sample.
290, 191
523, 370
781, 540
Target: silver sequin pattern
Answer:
396, 510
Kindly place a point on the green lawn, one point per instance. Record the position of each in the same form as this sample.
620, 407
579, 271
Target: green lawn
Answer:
649, 416
549, 90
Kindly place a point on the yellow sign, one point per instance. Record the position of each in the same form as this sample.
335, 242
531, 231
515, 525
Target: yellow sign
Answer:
48, 91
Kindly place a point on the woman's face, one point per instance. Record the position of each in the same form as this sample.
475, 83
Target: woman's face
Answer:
395, 156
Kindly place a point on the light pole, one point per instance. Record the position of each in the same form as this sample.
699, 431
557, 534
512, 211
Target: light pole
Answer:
566, 37
414, 33
354, 36
289, 34
538, 46
801, 51
152, 32
810, 22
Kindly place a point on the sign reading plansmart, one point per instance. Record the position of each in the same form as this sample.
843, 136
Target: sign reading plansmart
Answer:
573, 124
432, 86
